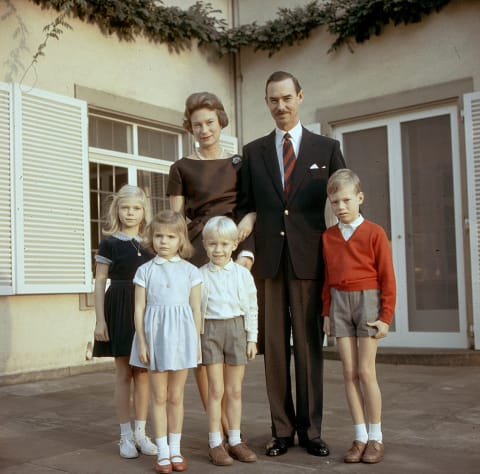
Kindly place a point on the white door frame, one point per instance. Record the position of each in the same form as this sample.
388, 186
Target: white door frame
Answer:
401, 337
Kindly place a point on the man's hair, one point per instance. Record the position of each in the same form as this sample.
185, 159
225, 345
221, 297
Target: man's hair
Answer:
278, 76
341, 178
220, 226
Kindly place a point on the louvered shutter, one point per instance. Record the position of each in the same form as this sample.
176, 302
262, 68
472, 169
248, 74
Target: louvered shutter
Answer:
52, 232
472, 148
6, 204
229, 143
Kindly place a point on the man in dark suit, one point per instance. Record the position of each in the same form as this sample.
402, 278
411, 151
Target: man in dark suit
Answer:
284, 181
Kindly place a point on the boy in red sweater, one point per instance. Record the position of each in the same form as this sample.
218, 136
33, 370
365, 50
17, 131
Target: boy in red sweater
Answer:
358, 304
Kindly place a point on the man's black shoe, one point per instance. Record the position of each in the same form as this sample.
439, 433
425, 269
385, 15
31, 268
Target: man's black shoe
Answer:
317, 447
278, 446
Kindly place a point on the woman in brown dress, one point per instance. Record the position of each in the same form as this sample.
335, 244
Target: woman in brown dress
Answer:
204, 184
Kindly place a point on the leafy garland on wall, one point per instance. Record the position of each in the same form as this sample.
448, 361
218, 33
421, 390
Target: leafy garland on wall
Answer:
347, 20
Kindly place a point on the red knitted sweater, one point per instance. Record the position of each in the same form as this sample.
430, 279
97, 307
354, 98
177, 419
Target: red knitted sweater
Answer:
363, 262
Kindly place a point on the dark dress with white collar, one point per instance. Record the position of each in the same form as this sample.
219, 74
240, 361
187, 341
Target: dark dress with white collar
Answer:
121, 254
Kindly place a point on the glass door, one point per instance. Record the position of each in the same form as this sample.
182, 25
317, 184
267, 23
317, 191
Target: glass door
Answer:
409, 168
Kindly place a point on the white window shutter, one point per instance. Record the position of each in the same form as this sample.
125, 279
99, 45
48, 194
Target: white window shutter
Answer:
229, 143
314, 127
472, 148
6, 185
52, 231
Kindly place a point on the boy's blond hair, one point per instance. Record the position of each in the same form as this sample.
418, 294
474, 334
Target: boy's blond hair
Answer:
341, 178
220, 226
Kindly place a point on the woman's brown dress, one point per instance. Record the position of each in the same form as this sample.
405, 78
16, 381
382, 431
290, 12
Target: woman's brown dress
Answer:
210, 188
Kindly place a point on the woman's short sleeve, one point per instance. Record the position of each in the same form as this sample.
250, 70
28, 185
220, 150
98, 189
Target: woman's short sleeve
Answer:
175, 182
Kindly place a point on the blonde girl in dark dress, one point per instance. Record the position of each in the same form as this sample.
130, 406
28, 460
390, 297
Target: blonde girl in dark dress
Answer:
205, 184
119, 255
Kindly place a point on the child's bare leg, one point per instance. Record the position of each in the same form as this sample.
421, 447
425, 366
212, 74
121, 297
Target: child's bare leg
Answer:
367, 350
215, 395
233, 393
176, 384
159, 402
141, 393
347, 348
123, 380
202, 384
159, 382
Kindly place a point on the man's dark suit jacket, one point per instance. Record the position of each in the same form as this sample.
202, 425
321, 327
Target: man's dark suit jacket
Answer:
300, 219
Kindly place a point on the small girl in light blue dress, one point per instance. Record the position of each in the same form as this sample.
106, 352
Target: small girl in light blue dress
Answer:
167, 324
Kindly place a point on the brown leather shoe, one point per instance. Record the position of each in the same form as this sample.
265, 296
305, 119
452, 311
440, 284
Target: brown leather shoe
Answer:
163, 468
179, 466
242, 452
373, 452
354, 454
219, 456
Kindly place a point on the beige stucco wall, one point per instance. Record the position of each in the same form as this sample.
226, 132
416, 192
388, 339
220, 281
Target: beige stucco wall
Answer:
442, 48
42, 332
140, 70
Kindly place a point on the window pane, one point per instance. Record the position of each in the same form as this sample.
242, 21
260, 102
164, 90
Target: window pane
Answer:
104, 181
366, 153
109, 134
157, 144
430, 225
154, 185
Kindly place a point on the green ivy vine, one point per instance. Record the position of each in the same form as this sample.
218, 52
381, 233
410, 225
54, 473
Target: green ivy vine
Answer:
346, 20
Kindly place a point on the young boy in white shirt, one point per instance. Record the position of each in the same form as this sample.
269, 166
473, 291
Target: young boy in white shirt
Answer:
228, 337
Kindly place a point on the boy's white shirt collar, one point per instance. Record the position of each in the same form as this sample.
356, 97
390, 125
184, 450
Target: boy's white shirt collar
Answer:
353, 225
215, 268
161, 260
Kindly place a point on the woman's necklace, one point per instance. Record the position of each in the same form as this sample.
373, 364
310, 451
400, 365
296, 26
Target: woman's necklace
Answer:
136, 247
200, 157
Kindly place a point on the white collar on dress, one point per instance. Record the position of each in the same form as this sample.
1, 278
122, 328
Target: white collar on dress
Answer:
160, 260
215, 268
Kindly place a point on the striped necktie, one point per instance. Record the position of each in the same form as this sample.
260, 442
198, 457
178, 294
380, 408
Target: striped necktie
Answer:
288, 163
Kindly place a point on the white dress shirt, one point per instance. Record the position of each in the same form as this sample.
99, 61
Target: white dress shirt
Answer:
347, 230
295, 137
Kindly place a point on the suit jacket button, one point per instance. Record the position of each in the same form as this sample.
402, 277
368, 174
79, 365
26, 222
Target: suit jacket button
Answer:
285, 212
282, 233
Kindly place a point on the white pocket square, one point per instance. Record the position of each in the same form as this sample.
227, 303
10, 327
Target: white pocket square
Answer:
314, 166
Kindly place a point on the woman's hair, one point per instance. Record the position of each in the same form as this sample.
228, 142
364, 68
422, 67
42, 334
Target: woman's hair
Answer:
341, 178
203, 100
177, 224
127, 191
220, 226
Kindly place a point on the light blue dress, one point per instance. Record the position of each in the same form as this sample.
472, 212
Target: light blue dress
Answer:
168, 322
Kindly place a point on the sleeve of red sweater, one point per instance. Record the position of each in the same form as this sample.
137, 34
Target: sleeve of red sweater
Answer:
326, 287
386, 276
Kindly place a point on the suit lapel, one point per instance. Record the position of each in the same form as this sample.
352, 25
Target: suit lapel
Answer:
269, 155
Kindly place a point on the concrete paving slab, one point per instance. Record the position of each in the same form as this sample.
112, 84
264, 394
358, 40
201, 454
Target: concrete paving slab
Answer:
431, 424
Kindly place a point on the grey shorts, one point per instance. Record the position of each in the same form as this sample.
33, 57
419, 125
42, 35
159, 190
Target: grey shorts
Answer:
351, 310
224, 341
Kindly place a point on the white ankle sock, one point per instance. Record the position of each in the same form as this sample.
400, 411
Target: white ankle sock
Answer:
140, 429
174, 445
126, 430
214, 439
163, 450
375, 432
234, 437
361, 432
